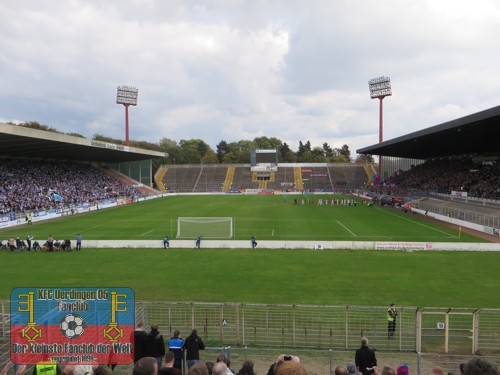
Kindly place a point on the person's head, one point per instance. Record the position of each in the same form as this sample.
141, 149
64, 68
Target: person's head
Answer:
437, 370
140, 325
290, 368
194, 332
198, 369
341, 370
223, 358
364, 341
210, 366
351, 368
402, 370
177, 333
169, 359
479, 366
388, 371
146, 366
154, 327
393, 306
220, 368
247, 364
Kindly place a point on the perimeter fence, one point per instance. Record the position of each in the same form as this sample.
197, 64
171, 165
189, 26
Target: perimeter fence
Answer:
323, 336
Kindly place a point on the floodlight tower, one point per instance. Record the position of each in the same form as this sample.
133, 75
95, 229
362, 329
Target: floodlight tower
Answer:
380, 88
127, 96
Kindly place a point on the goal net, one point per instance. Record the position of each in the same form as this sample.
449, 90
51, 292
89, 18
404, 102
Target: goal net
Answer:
206, 227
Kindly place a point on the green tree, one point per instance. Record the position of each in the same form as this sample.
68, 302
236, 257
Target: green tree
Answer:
317, 155
364, 159
222, 150
210, 157
327, 151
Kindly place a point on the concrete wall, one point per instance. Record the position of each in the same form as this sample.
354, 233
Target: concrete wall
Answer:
309, 245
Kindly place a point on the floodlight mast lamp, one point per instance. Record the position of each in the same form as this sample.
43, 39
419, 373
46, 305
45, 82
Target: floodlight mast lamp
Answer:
127, 96
380, 88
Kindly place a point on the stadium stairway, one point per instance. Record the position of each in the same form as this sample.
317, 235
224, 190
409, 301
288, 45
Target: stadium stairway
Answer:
297, 174
228, 182
160, 173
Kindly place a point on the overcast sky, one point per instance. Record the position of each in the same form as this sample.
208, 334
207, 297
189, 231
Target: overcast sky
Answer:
232, 69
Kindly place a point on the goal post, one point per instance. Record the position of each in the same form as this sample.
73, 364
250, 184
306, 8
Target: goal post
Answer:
206, 227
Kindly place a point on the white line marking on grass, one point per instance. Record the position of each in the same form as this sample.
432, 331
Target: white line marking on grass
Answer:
149, 231
347, 229
416, 222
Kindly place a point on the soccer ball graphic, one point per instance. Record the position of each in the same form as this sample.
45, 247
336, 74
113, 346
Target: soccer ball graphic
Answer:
72, 326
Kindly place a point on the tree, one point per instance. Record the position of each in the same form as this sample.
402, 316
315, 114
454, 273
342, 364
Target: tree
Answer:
222, 150
365, 159
328, 151
317, 155
210, 157
38, 126
344, 151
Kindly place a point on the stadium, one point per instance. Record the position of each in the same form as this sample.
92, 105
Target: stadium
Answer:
435, 213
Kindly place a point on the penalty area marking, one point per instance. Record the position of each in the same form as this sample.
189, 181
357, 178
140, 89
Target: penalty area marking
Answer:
347, 229
149, 231
416, 222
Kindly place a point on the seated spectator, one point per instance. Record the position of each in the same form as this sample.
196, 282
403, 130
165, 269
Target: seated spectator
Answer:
479, 366
290, 368
198, 369
246, 368
146, 366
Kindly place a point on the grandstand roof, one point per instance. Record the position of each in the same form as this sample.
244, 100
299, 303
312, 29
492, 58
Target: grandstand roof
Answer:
20, 142
476, 134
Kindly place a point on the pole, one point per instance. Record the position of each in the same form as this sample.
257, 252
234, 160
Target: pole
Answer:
381, 134
127, 142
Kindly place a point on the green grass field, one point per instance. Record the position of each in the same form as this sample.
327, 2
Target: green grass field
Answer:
335, 277
266, 217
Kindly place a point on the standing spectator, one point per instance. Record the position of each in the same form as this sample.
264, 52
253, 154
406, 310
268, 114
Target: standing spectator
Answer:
193, 345
139, 342
166, 242
392, 314
175, 345
198, 242
78, 241
28, 241
365, 358
50, 243
254, 242
154, 345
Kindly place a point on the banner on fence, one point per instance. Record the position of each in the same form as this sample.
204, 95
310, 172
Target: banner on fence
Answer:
72, 325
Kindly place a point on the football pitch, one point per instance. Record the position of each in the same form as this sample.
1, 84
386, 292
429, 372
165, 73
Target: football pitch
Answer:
265, 216
330, 277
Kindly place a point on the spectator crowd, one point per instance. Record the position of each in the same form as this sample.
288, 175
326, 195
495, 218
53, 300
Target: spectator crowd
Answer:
443, 176
32, 185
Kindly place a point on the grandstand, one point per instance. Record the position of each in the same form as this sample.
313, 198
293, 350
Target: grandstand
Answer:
311, 177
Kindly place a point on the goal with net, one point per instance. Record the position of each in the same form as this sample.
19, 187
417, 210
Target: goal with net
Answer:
206, 227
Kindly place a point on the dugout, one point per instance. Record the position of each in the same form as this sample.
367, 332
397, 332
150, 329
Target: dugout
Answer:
19, 142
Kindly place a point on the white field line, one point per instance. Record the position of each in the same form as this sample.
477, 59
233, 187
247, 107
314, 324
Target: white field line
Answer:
149, 231
421, 224
347, 229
